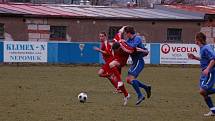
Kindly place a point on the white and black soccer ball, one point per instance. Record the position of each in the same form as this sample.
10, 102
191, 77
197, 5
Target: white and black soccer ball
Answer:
82, 97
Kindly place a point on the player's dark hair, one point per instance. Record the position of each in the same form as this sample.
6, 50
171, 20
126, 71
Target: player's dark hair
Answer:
115, 46
129, 29
104, 33
201, 38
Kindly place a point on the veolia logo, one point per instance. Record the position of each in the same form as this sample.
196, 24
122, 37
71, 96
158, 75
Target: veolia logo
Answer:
165, 48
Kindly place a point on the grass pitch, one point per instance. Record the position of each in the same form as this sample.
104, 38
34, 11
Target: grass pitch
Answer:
49, 93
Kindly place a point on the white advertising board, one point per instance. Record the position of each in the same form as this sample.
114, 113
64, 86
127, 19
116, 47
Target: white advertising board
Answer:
177, 53
20, 51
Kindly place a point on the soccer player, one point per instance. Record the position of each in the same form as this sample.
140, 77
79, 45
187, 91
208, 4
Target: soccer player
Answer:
137, 66
107, 55
207, 64
120, 60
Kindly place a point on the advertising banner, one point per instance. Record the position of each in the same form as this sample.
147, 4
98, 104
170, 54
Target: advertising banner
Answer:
20, 51
177, 53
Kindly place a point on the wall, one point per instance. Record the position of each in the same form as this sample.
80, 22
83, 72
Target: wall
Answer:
83, 53
209, 30
82, 30
15, 28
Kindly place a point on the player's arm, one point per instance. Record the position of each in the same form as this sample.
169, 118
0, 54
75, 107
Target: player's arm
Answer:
210, 65
100, 50
122, 29
145, 51
211, 56
126, 47
117, 37
108, 52
131, 47
191, 56
123, 45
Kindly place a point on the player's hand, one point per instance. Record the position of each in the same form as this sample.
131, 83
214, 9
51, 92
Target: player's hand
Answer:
139, 49
145, 51
205, 72
122, 29
96, 48
120, 41
191, 56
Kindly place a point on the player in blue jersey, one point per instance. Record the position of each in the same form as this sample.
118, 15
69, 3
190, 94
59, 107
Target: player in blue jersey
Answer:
137, 66
207, 64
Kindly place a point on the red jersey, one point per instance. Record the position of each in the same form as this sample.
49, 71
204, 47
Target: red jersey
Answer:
105, 46
121, 56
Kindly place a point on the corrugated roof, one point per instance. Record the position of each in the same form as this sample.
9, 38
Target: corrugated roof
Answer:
94, 12
201, 9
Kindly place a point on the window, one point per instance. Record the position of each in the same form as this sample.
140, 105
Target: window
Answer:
174, 35
24, 1
1, 31
113, 30
57, 32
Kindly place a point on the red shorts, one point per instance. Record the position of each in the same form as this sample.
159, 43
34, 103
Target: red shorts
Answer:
107, 68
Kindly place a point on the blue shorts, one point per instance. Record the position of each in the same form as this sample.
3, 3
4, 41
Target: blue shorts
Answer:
207, 81
136, 68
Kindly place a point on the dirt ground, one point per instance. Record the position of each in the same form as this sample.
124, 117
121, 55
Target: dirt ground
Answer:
49, 93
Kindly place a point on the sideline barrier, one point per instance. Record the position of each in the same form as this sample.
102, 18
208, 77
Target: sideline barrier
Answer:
1, 51
68, 53
83, 53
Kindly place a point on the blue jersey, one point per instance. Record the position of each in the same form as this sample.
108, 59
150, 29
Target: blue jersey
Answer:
136, 41
206, 55
137, 57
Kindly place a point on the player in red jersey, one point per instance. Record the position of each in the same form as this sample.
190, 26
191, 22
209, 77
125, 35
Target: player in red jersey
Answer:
120, 60
106, 50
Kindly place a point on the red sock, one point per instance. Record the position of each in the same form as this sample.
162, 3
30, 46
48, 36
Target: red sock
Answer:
116, 73
118, 78
113, 82
125, 92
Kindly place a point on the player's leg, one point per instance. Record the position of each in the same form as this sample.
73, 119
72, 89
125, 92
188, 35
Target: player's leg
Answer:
209, 102
133, 73
101, 72
114, 68
120, 84
205, 85
211, 91
132, 80
136, 72
107, 73
113, 78
113, 81
210, 84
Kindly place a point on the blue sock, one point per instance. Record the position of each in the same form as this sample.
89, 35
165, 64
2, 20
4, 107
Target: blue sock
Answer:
211, 91
135, 85
142, 85
209, 103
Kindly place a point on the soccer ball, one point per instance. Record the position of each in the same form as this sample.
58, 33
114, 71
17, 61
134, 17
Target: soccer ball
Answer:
82, 97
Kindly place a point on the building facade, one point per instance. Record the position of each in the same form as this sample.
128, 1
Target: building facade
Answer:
77, 30
20, 22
